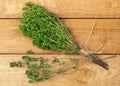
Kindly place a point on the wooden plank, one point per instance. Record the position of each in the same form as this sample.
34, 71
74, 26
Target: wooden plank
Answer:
106, 32
84, 8
13, 8
88, 74
65, 8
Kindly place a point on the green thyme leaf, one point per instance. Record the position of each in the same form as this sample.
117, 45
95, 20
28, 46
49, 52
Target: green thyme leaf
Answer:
63, 63
74, 67
16, 64
55, 60
60, 71
30, 81
42, 60
28, 58
44, 65
74, 60
34, 66
32, 75
45, 74
30, 52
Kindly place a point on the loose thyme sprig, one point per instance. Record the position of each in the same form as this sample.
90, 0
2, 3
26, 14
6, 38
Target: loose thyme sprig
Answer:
39, 69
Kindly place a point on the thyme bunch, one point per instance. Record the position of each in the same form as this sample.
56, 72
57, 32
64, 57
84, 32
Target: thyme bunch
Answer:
46, 29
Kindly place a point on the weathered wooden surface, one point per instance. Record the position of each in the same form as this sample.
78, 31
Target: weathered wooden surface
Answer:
105, 32
65, 8
88, 74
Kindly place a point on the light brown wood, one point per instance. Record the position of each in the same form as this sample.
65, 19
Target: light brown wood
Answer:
88, 74
106, 32
13, 8
65, 8
84, 8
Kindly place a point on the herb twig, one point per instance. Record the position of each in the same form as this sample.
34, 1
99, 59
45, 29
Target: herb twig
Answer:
39, 69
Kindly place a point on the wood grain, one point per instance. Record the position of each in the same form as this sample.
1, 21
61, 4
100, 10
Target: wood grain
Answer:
13, 8
88, 74
65, 8
84, 8
106, 32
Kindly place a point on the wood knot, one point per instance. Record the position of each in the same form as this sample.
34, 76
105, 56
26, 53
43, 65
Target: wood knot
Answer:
84, 75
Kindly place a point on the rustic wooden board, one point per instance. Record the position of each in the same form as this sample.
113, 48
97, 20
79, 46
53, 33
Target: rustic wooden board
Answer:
88, 74
13, 8
105, 31
65, 8
84, 8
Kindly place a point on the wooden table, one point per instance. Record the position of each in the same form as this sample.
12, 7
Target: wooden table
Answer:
78, 16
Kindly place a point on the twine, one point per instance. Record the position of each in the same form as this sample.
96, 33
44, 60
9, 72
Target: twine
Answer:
98, 51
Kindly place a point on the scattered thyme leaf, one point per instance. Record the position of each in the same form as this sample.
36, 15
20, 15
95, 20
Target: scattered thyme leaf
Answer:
42, 60
74, 60
28, 58
19, 63
34, 66
55, 60
16, 64
63, 63
29, 4
74, 67
44, 65
60, 71
33, 75
30, 52
31, 81
27, 64
45, 74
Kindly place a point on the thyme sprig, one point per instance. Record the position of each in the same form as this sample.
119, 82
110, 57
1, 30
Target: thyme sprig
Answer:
39, 69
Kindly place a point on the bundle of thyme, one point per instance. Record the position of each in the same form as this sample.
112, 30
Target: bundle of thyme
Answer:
39, 69
48, 32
